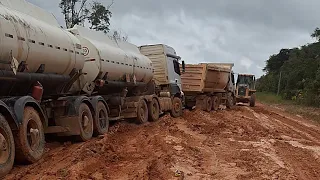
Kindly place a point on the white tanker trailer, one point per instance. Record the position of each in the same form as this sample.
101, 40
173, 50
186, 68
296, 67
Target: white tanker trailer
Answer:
70, 83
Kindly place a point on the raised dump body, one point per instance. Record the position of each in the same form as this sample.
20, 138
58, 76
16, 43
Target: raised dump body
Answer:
209, 82
202, 78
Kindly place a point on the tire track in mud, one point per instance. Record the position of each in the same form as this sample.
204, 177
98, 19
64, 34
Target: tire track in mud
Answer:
242, 143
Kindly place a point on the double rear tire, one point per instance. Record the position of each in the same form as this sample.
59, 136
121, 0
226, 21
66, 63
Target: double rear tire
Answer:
176, 110
7, 148
142, 112
101, 120
85, 121
29, 139
153, 110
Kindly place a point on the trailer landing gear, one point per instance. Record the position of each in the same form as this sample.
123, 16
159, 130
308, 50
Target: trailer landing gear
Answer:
30, 137
7, 149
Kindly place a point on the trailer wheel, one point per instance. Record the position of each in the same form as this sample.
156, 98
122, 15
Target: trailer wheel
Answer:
176, 110
30, 137
230, 102
85, 122
154, 110
253, 100
208, 104
101, 120
7, 149
142, 112
215, 103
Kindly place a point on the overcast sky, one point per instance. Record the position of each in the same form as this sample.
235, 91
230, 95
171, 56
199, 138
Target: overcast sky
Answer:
244, 32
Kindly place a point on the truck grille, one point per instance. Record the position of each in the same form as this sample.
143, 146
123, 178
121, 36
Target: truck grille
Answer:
242, 91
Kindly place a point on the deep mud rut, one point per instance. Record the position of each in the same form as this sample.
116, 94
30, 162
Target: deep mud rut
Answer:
243, 143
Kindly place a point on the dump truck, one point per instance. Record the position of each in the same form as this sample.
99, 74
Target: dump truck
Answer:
245, 88
167, 73
68, 83
208, 85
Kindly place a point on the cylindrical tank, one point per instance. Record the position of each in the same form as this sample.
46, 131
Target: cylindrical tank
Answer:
110, 60
42, 47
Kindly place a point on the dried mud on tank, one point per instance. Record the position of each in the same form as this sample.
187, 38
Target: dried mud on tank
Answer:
242, 143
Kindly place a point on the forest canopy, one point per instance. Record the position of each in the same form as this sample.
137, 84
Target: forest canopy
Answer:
300, 73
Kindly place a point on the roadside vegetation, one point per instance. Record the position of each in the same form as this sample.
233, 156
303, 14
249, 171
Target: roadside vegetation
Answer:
295, 73
290, 106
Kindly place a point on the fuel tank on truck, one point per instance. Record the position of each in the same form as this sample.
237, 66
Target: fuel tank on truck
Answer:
113, 61
41, 50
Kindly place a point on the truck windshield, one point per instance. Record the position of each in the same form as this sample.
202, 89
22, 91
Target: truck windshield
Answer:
176, 67
246, 80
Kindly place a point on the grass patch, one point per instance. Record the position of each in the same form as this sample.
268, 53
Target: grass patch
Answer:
270, 98
289, 106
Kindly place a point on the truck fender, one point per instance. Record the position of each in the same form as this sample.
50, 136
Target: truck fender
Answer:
10, 117
75, 104
20, 104
96, 99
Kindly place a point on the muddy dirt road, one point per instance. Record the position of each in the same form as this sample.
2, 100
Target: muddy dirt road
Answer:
243, 143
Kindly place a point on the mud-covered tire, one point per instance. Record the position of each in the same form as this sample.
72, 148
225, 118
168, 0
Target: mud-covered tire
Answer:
207, 104
230, 100
85, 121
215, 103
176, 110
142, 112
7, 151
153, 110
101, 120
29, 139
253, 100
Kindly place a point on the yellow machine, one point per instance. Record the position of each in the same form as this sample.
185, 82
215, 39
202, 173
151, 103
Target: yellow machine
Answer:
245, 89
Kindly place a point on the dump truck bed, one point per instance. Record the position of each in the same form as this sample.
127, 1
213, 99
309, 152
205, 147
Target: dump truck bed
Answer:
205, 77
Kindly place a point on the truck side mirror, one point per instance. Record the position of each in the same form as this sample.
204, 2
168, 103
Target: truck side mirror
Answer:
183, 67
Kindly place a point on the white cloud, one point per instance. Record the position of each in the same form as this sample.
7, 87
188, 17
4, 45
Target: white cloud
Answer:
243, 32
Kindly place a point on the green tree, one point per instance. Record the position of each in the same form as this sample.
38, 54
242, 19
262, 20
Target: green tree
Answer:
80, 12
316, 34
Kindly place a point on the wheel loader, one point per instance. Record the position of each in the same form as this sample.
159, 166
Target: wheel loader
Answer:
245, 89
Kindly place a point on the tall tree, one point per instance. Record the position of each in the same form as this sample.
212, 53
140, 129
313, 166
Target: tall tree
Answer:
316, 34
79, 12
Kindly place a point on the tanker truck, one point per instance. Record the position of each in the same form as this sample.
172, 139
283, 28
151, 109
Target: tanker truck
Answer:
208, 85
67, 83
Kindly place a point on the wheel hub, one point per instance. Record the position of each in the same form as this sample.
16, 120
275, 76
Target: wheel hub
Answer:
4, 149
85, 121
35, 139
177, 107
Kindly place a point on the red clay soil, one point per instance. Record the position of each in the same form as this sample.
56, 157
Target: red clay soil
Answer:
242, 143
